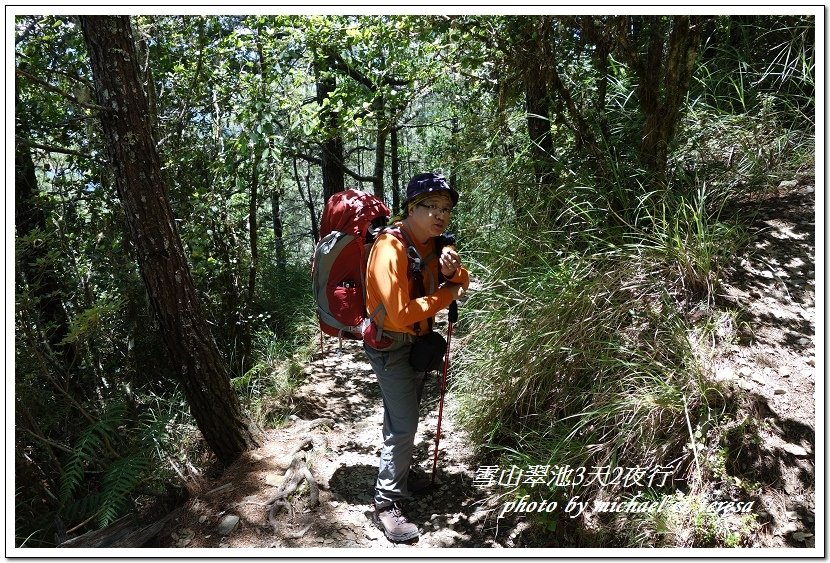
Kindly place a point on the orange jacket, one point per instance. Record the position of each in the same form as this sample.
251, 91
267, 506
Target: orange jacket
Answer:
388, 282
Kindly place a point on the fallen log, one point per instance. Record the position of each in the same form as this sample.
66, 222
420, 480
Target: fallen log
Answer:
124, 532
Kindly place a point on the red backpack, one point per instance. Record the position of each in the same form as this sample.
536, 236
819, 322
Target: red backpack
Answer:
351, 221
339, 264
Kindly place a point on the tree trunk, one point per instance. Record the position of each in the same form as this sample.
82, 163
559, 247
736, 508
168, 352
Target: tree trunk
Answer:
244, 323
536, 57
308, 201
601, 58
253, 237
663, 78
332, 146
164, 268
456, 134
276, 222
683, 51
648, 89
396, 170
380, 147
538, 124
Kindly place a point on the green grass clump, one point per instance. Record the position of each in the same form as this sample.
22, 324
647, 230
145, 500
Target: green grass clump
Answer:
268, 387
587, 359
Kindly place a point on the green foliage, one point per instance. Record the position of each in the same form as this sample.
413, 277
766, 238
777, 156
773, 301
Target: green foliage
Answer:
267, 388
90, 445
747, 60
286, 328
578, 348
286, 302
94, 450
589, 332
165, 424
91, 323
119, 484
689, 241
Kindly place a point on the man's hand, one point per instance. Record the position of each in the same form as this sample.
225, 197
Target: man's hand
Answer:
449, 261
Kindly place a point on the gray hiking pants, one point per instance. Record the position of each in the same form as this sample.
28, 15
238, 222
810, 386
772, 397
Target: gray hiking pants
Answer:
401, 387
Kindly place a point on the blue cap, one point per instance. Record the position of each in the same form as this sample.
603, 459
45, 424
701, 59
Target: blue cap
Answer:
427, 182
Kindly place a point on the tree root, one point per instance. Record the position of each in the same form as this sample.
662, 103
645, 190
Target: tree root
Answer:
296, 473
298, 534
306, 426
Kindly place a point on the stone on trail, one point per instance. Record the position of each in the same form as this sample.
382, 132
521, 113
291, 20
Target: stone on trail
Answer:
759, 378
185, 536
227, 524
725, 373
796, 450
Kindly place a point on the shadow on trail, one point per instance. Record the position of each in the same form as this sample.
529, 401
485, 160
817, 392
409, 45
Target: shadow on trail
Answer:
351, 390
768, 464
771, 285
778, 264
354, 483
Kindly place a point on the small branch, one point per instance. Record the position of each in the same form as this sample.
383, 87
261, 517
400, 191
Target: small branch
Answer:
318, 162
353, 150
422, 125
45, 353
691, 436
308, 158
341, 64
85, 522
358, 177
226, 486
58, 91
61, 150
47, 441
178, 471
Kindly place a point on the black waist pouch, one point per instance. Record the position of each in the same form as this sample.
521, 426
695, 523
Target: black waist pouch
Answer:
428, 352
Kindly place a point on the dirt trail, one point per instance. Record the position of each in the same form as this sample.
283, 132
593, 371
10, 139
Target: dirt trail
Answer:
343, 461
772, 286
772, 283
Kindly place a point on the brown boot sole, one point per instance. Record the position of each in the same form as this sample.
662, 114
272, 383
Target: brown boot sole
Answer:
394, 537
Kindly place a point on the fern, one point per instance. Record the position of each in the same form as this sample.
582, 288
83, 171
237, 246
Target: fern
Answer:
121, 479
108, 504
95, 442
73, 472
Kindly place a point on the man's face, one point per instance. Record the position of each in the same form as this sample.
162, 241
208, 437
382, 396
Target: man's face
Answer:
433, 214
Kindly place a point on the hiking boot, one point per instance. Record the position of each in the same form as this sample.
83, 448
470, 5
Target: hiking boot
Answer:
395, 525
417, 481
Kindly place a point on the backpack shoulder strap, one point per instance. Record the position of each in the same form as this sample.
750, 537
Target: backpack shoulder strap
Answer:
416, 263
416, 268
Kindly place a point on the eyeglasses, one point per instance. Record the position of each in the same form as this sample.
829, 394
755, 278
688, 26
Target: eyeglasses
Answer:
434, 209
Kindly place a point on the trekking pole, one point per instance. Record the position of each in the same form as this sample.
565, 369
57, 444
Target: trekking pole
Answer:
453, 316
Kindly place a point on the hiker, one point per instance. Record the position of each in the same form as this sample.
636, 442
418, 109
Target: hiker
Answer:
409, 306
